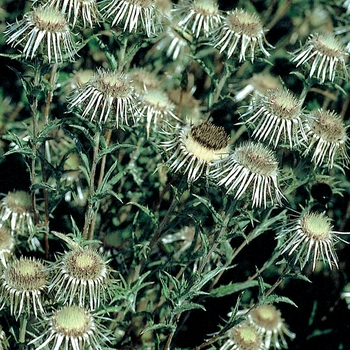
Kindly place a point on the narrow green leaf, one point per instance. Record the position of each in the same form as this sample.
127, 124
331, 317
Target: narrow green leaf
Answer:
234, 288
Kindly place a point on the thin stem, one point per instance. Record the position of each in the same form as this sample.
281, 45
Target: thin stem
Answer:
22, 330
102, 172
42, 161
88, 214
34, 108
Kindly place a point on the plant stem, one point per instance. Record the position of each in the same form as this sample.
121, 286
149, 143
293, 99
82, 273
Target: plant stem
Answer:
22, 330
89, 210
102, 172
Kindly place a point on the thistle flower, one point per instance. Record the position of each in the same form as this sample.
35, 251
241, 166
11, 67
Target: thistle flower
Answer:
132, 13
174, 45
310, 237
22, 284
251, 167
196, 149
241, 27
7, 243
267, 319
258, 85
143, 80
199, 16
76, 10
81, 276
327, 138
325, 54
71, 327
44, 30
16, 209
155, 104
277, 114
243, 337
108, 95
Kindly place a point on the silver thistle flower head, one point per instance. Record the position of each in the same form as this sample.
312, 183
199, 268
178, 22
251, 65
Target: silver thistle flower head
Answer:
309, 238
133, 13
251, 167
241, 30
270, 324
243, 336
277, 116
107, 98
84, 11
327, 138
198, 16
71, 327
43, 31
196, 149
326, 56
82, 277
22, 284
16, 211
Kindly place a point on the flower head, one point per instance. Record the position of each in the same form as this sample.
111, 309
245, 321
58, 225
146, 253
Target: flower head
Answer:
251, 167
132, 13
108, 95
7, 244
241, 27
81, 276
243, 337
199, 16
277, 114
258, 85
71, 327
327, 138
174, 45
310, 237
16, 209
76, 10
22, 284
267, 319
325, 53
196, 148
155, 104
143, 80
44, 30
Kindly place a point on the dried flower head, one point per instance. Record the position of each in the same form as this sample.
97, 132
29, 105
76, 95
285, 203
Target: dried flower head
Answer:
271, 326
71, 327
174, 45
310, 237
82, 276
258, 85
84, 11
325, 54
198, 16
277, 115
196, 149
22, 284
327, 138
108, 97
132, 13
16, 209
7, 243
244, 28
251, 167
155, 105
143, 80
43, 31
243, 337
